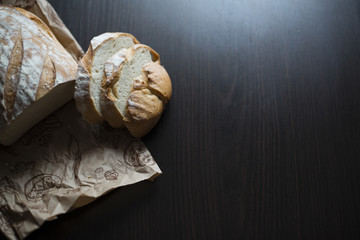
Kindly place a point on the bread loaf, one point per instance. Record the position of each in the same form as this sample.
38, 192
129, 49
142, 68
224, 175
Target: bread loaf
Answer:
35, 73
129, 90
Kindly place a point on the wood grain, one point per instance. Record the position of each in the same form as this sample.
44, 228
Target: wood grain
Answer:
261, 139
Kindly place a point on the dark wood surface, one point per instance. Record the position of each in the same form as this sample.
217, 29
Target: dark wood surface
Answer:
261, 139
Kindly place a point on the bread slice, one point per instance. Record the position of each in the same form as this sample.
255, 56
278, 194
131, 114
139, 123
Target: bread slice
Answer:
36, 73
107, 99
91, 71
134, 95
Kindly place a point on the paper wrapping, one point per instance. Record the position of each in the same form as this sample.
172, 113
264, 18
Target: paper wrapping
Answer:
64, 162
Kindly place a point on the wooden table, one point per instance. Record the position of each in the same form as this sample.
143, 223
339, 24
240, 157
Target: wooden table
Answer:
261, 139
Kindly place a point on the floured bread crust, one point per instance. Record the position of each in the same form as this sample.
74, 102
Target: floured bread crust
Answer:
143, 111
32, 62
86, 94
158, 81
148, 96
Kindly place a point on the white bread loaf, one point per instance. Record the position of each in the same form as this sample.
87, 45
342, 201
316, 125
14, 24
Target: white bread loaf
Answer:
91, 71
130, 89
35, 73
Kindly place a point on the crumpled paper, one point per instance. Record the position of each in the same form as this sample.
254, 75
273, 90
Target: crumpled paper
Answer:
64, 162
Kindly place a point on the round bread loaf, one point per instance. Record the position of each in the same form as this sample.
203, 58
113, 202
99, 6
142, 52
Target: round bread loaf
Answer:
126, 86
35, 72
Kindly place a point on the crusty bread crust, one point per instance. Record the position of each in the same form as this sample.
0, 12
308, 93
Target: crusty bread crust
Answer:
84, 101
159, 81
32, 64
146, 100
143, 111
144, 107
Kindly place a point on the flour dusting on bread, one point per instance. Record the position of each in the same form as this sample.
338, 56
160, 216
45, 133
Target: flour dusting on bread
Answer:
32, 63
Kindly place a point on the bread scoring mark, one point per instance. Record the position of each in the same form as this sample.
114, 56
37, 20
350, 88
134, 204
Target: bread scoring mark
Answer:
13, 75
37, 43
47, 78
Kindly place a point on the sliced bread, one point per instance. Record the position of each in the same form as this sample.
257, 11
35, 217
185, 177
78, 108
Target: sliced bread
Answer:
91, 71
135, 89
